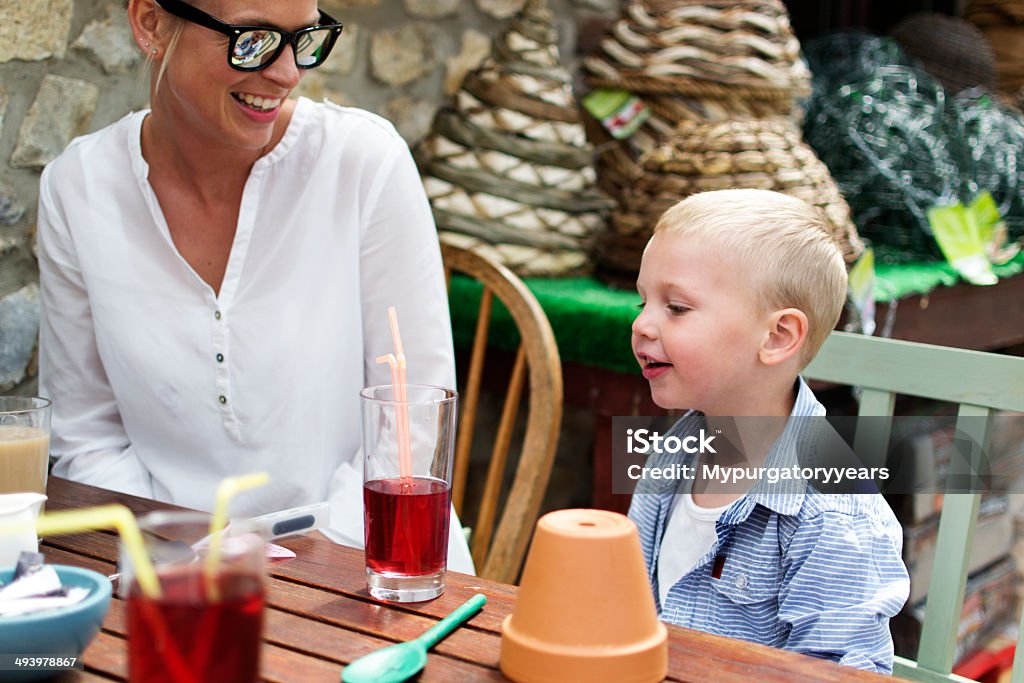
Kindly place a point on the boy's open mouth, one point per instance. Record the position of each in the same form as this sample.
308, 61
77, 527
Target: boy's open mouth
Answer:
649, 363
651, 367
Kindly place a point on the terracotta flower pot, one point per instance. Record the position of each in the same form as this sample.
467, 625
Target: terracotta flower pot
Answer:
585, 610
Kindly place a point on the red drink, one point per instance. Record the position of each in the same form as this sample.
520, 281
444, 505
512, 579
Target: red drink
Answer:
406, 525
185, 637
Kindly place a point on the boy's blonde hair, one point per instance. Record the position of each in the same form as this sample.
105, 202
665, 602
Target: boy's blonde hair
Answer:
780, 242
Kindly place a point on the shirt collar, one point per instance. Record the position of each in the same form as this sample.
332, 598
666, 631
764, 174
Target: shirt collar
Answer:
786, 496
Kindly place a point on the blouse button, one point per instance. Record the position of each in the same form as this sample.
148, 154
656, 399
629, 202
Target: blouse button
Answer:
223, 399
216, 314
741, 580
220, 357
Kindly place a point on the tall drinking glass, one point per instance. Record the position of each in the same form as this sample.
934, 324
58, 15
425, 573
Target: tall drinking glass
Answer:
206, 625
407, 475
24, 443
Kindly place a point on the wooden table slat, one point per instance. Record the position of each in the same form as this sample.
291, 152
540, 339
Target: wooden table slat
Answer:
83, 677
107, 655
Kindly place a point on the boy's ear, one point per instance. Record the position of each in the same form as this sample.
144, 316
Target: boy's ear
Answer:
787, 334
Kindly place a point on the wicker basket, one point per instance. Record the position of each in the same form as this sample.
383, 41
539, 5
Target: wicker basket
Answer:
1002, 22
951, 49
727, 69
751, 153
507, 167
995, 12
728, 51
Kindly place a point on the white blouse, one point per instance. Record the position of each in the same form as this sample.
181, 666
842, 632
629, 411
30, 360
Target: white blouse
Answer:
161, 387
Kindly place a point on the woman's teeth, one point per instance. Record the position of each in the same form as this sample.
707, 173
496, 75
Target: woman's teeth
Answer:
258, 103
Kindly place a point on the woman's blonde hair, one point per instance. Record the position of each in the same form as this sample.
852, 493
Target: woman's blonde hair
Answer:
781, 243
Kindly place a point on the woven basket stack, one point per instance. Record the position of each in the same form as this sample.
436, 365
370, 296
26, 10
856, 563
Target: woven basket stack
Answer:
704, 59
722, 80
718, 155
508, 168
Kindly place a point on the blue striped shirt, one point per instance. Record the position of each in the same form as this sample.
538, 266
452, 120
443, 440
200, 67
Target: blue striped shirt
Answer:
798, 569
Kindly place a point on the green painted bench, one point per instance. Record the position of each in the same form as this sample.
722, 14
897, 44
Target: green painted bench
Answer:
979, 383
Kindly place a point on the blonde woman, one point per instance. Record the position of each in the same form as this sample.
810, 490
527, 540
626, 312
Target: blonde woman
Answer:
216, 271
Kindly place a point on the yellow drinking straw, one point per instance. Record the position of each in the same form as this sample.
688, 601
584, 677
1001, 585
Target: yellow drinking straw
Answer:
227, 490
106, 517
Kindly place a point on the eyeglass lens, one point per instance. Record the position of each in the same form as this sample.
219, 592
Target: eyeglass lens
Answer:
254, 49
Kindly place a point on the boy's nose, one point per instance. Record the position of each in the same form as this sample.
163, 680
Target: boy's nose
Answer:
642, 326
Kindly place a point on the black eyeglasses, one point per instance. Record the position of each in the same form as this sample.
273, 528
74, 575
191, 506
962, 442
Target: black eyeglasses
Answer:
251, 48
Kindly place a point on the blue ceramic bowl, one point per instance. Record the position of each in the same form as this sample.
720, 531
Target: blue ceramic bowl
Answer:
63, 632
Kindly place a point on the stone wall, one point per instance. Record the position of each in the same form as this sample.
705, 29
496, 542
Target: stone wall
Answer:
69, 67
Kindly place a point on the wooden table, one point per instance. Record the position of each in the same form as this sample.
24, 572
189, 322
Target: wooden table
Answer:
319, 617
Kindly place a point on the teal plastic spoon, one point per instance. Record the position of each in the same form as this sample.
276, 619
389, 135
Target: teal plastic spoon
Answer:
402, 661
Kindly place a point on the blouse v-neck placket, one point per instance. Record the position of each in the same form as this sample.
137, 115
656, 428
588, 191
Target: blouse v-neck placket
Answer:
222, 377
223, 302
218, 305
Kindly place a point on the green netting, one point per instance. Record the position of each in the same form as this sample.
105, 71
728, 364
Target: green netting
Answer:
846, 56
898, 145
993, 140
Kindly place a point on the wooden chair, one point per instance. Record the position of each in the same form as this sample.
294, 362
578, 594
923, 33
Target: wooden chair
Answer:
979, 383
499, 544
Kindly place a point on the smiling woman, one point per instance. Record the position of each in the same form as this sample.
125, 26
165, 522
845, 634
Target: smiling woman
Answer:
216, 271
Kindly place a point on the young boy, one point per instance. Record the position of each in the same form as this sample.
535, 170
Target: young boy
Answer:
739, 289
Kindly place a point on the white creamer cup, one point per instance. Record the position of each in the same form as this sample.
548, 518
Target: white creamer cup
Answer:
18, 513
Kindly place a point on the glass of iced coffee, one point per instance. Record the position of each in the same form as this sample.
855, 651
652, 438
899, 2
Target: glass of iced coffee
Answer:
24, 443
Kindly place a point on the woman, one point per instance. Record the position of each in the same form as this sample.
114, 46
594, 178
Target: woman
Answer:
216, 271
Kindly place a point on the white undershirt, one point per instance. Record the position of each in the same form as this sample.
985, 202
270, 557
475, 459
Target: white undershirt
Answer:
689, 536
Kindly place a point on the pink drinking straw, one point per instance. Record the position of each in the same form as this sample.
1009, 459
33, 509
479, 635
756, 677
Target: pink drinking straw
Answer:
397, 363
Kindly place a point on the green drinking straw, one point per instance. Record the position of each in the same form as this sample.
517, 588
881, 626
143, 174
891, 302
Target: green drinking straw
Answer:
107, 517
227, 490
